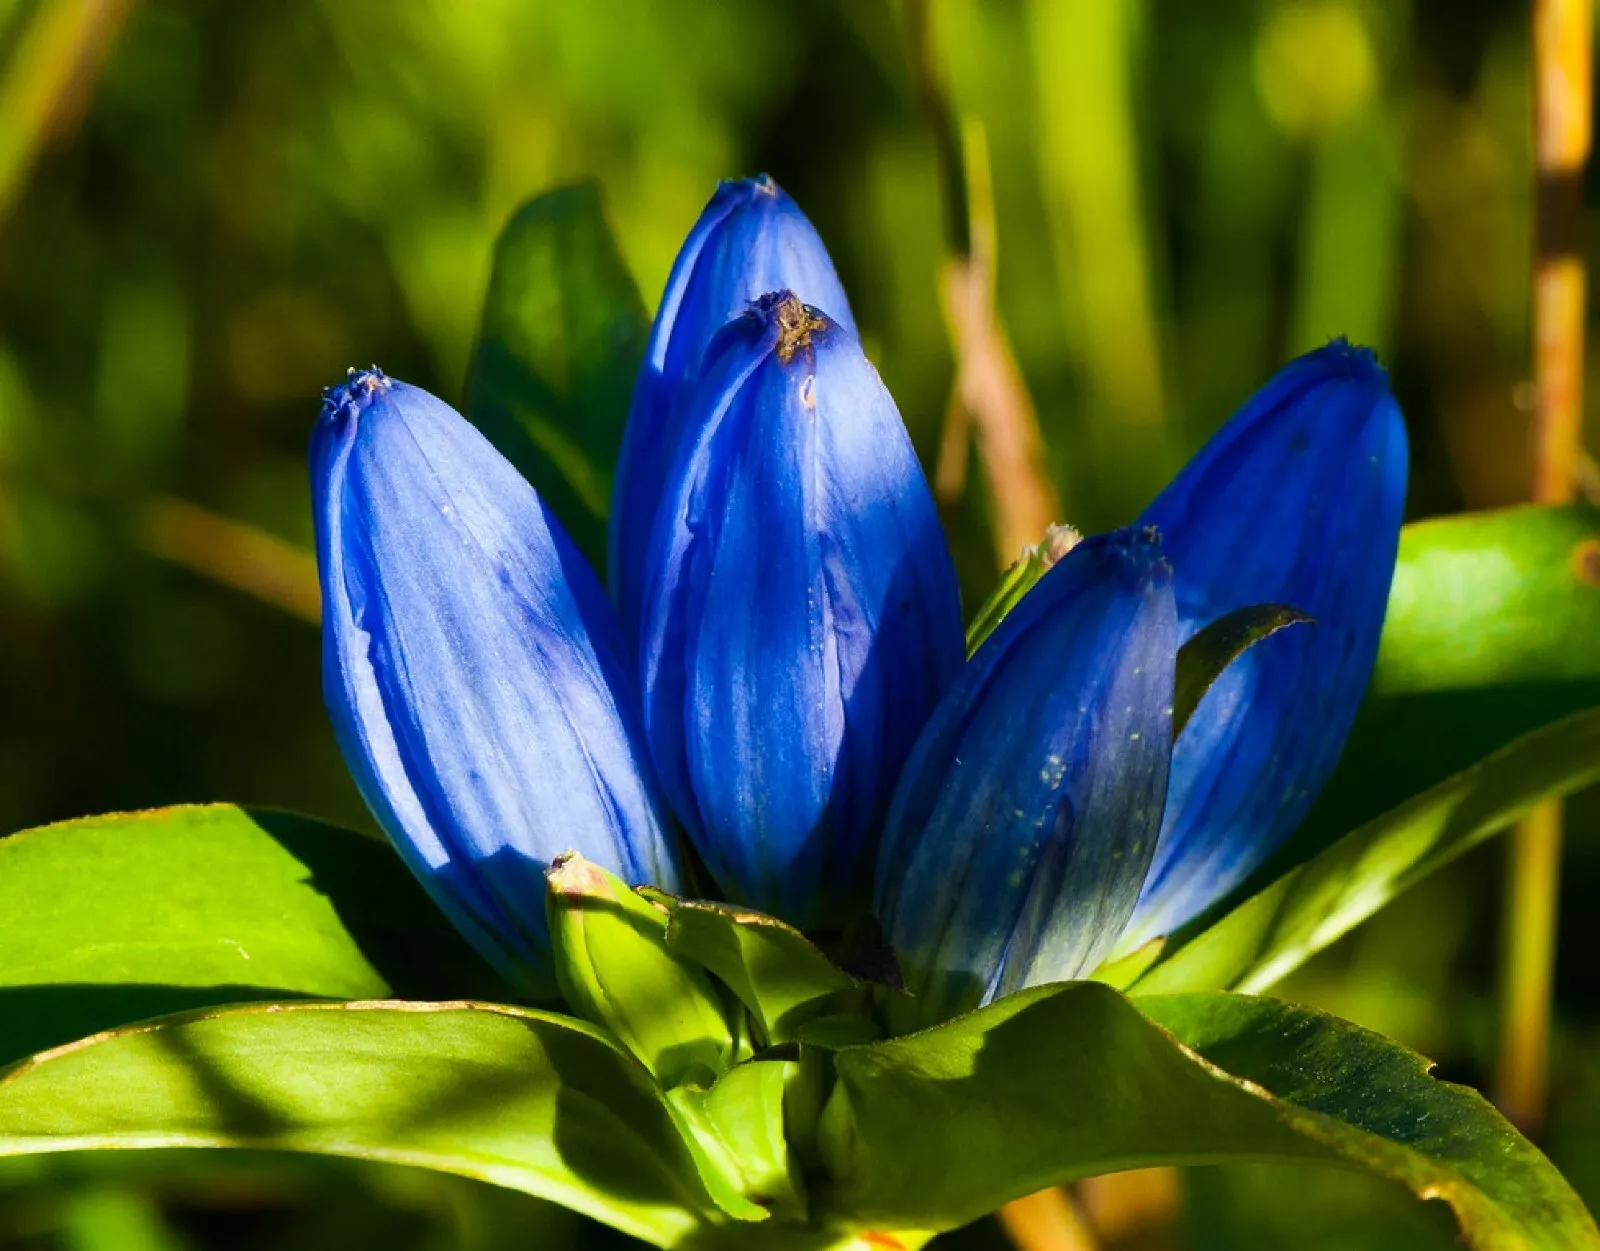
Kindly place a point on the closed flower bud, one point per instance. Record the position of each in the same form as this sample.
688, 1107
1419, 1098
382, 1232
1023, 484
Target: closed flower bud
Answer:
614, 969
473, 670
801, 613
751, 239
1297, 500
1027, 815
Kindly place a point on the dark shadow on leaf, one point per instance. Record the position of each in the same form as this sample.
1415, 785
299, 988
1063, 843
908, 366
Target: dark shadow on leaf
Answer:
35, 1018
246, 1116
390, 917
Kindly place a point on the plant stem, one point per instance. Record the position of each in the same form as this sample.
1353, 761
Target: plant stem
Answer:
1563, 59
1047, 1221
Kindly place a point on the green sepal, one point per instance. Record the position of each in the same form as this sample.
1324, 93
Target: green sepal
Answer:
615, 969
793, 991
736, 1132
1017, 581
1122, 971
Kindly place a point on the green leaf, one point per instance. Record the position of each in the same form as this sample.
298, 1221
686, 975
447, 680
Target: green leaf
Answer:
121, 918
1271, 933
1069, 1081
520, 1098
737, 1130
1492, 632
563, 334
787, 984
1203, 658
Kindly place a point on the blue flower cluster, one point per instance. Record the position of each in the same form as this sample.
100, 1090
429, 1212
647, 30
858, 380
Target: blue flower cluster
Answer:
779, 669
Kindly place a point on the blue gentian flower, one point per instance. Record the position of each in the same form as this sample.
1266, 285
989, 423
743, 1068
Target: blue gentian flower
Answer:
1297, 500
1028, 813
474, 671
751, 239
792, 670
800, 612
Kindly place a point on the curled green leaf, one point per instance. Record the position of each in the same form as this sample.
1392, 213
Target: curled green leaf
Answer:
1069, 1081
1203, 658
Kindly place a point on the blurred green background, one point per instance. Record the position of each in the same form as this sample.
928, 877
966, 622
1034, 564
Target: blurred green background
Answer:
209, 209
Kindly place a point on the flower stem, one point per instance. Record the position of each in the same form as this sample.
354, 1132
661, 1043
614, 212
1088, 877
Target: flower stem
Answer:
1563, 59
1047, 1221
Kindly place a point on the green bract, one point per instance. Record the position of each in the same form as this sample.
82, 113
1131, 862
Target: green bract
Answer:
221, 977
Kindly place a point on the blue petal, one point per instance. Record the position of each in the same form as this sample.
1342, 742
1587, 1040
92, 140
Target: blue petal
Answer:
801, 613
1297, 500
751, 239
1026, 818
473, 669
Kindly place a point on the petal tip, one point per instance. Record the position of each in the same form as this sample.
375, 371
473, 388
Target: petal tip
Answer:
792, 323
355, 394
1138, 553
1340, 358
748, 190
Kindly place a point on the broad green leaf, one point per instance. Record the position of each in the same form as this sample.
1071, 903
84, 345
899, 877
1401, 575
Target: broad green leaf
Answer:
1493, 631
115, 919
787, 984
1264, 938
1069, 1081
520, 1098
563, 334
1300, 1207
1203, 658
1375, 1104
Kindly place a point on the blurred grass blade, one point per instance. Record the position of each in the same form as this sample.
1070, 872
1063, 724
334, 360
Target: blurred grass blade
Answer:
1255, 944
1563, 74
1085, 54
990, 396
523, 1099
1068, 1081
45, 78
120, 918
1491, 633
1321, 70
563, 334
235, 554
